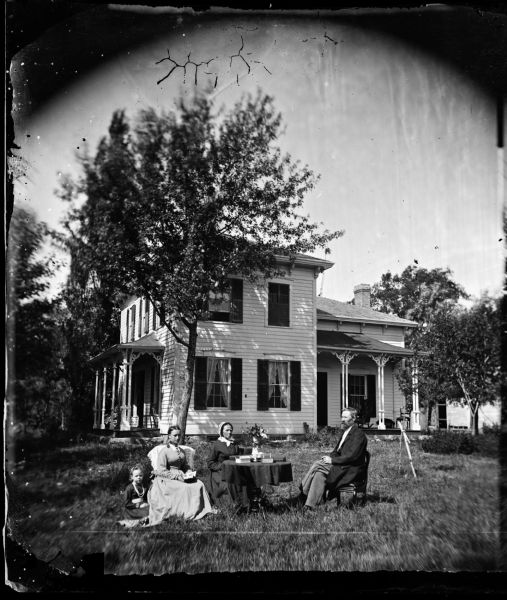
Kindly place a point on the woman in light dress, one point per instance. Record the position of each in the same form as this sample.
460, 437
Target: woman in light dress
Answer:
175, 492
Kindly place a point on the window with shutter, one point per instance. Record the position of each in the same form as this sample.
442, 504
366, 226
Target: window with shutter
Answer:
279, 304
140, 322
227, 306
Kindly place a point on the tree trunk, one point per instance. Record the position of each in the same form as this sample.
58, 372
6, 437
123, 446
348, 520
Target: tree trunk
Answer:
474, 417
181, 417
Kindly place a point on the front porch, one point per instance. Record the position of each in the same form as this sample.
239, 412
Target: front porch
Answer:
128, 387
356, 366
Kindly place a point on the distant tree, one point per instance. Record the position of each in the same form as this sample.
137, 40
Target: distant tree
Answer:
416, 293
423, 296
179, 202
38, 392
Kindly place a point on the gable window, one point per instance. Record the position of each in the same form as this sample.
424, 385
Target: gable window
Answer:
278, 304
227, 306
278, 384
218, 383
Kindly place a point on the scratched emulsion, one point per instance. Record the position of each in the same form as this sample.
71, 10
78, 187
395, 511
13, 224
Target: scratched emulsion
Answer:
402, 133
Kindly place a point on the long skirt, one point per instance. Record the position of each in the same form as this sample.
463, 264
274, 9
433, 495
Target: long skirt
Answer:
223, 492
171, 498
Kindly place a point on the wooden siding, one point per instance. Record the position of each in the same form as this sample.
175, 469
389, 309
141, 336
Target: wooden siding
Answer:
253, 340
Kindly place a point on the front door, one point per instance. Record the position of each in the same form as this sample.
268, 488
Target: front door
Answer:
321, 399
139, 396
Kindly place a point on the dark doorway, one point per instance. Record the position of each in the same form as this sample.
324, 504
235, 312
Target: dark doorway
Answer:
139, 396
321, 399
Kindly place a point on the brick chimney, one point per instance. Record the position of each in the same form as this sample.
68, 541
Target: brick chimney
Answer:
362, 294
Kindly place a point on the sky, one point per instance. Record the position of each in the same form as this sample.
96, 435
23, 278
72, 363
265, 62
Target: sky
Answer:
404, 139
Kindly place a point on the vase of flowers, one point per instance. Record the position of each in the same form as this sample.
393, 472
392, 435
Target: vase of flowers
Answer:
256, 435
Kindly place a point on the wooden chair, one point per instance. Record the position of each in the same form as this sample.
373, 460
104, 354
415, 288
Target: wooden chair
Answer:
356, 487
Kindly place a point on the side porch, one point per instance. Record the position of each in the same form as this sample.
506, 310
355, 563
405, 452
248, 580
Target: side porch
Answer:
355, 370
128, 388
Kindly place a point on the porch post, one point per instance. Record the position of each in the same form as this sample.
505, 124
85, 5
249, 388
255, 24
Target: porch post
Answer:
113, 396
381, 362
129, 393
345, 359
124, 424
96, 402
415, 422
104, 397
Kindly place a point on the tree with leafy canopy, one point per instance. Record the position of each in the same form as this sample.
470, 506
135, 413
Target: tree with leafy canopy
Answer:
463, 358
38, 392
178, 202
420, 295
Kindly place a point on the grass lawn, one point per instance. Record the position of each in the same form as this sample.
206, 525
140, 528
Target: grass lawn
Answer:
446, 520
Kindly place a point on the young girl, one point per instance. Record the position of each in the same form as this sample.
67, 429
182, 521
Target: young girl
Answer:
136, 506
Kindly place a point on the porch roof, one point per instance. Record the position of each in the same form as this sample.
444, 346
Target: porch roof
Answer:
357, 342
148, 343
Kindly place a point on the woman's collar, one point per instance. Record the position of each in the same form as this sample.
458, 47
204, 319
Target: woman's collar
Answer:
226, 441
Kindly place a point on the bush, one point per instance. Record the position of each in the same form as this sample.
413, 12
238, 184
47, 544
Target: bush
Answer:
450, 442
322, 437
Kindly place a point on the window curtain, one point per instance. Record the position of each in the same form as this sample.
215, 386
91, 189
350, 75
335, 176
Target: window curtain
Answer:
223, 373
279, 376
283, 378
223, 378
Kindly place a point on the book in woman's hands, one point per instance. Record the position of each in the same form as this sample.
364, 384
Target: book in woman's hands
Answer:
189, 475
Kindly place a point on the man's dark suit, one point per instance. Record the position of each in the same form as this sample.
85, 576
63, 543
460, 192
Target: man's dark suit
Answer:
348, 461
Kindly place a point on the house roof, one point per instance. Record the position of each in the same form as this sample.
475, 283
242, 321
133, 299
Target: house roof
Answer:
148, 343
305, 260
332, 310
357, 342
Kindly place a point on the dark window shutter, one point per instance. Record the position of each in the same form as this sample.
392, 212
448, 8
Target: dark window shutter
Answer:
140, 322
236, 314
200, 383
295, 385
236, 383
127, 334
262, 385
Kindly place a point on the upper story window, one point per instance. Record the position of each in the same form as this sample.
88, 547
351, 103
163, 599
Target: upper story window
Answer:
132, 326
146, 327
227, 306
279, 304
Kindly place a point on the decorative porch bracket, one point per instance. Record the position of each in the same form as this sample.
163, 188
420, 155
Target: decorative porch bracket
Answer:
345, 358
380, 360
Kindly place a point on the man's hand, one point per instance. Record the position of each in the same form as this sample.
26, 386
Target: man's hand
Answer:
326, 459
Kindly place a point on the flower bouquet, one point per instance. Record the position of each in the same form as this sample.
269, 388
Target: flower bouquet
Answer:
256, 435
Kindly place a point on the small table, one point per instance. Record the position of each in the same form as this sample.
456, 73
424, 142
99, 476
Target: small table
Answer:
256, 474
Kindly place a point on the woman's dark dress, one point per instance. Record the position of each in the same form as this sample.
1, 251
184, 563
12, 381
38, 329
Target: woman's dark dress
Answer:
218, 488
131, 510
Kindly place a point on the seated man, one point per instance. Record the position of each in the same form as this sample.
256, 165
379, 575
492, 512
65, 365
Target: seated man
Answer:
341, 467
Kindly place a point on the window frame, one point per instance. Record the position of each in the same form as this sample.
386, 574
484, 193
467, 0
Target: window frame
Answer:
287, 385
219, 315
229, 384
289, 304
